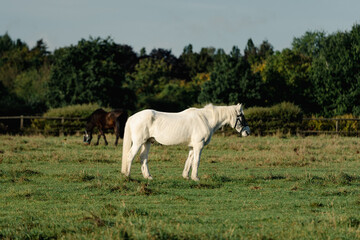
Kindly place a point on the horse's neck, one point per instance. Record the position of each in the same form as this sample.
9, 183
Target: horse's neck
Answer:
90, 126
117, 114
221, 115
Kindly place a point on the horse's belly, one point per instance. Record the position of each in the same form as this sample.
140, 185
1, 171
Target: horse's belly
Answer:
170, 140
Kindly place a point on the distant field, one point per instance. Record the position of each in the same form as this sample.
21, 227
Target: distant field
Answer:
250, 188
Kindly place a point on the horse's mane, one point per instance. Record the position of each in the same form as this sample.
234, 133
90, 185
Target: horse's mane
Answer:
102, 111
218, 111
209, 106
99, 110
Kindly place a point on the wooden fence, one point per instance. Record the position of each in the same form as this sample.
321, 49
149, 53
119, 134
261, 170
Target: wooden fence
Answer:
17, 125
334, 126
23, 124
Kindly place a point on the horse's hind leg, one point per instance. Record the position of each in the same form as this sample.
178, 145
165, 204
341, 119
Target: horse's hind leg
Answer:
133, 151
106, 142
144, 160
188, 164
99, 136
117, 139
117, 134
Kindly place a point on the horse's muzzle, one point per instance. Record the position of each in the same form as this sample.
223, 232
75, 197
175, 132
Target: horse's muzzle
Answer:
87, 140
245, 131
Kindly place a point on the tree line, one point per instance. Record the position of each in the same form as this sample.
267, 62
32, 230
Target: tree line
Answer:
320, 73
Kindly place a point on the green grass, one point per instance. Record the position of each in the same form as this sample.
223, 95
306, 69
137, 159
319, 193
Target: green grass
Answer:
250, 188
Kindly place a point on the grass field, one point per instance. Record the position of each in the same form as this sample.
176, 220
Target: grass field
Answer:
250, 188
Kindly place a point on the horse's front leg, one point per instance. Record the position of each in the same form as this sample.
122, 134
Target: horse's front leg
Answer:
188, 164
106, 142
144, 153
196, 161
89, 138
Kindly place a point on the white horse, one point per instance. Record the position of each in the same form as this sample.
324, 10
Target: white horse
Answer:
192, 126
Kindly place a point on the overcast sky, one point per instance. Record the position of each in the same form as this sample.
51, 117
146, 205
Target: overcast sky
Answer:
173, 24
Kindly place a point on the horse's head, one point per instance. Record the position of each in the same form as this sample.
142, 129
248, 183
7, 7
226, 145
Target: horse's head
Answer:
87, 137
240, 123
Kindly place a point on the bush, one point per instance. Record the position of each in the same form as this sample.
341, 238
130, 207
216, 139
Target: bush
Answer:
74, 111
74, 119
284, 117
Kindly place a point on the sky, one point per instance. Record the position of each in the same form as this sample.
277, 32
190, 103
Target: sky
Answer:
174, 24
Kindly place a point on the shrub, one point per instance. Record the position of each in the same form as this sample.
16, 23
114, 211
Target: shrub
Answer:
284, 117
74, 111
74, 119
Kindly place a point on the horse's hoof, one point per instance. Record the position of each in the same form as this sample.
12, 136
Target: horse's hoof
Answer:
196, 179
186, 177
150, 178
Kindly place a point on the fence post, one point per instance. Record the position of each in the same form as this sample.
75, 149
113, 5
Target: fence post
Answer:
337, 126
21, 122
62, 127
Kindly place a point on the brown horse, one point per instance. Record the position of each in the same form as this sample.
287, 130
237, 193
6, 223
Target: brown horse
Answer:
105, 120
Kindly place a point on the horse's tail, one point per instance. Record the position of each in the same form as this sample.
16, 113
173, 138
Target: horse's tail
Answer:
120, 124
126, 147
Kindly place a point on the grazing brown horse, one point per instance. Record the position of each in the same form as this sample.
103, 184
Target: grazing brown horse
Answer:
105, 120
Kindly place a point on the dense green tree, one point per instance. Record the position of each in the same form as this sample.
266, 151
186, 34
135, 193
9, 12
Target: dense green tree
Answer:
310, 44
142, 53
286, 78
158, 86
188, 61
9, 103
193, 63
31, 87
265, 50
232, 81
335, 74
175, 96
23, 75
7, 44
257, 55
13, 62
206, 60
148, 79
160, 54
91, 71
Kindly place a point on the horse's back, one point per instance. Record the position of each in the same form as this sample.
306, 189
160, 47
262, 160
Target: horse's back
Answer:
150, 116
98, 111
104, 119
143, 117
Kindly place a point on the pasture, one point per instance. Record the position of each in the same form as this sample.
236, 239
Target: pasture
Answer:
277, 187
